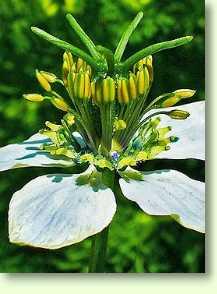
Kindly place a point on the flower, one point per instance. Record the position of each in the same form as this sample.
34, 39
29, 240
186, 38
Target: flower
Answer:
109, 127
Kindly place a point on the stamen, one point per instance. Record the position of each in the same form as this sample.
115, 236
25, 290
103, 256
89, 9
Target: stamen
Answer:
60, 104
34, 97
43, 81
50, 77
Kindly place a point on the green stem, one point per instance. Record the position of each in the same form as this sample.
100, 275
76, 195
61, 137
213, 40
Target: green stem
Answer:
98, 252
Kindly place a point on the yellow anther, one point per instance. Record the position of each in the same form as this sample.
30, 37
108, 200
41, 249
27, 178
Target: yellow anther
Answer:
139, 65
33, 97
89, 70
149, 60
65, 73
112, 89
81, 86
170, 101
184, 93
68, 59
132, 86
105, 91
176, 96
60, 103
43, 81
81, 65
124, 91
178, 114
50, 77
149, 65
142, 81
87, 88
108, 89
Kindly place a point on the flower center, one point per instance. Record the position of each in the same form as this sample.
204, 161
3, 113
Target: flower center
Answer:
108, 112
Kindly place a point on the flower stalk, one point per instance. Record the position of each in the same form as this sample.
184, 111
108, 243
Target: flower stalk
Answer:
98, 252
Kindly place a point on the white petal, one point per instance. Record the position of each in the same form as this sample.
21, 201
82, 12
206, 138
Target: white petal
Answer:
52, 211
79, 139
169, 192
27, 153
191, 132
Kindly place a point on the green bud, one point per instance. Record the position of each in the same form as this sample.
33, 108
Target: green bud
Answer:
178, 114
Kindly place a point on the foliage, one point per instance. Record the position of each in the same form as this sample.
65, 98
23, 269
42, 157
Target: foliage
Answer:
138, 243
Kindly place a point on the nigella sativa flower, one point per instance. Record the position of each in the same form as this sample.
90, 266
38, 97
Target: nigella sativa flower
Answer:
109, 126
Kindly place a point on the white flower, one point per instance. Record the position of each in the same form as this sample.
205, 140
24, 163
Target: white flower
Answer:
109, 125
53, 211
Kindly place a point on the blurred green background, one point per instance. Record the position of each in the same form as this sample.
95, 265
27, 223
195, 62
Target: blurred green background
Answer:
138, 243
